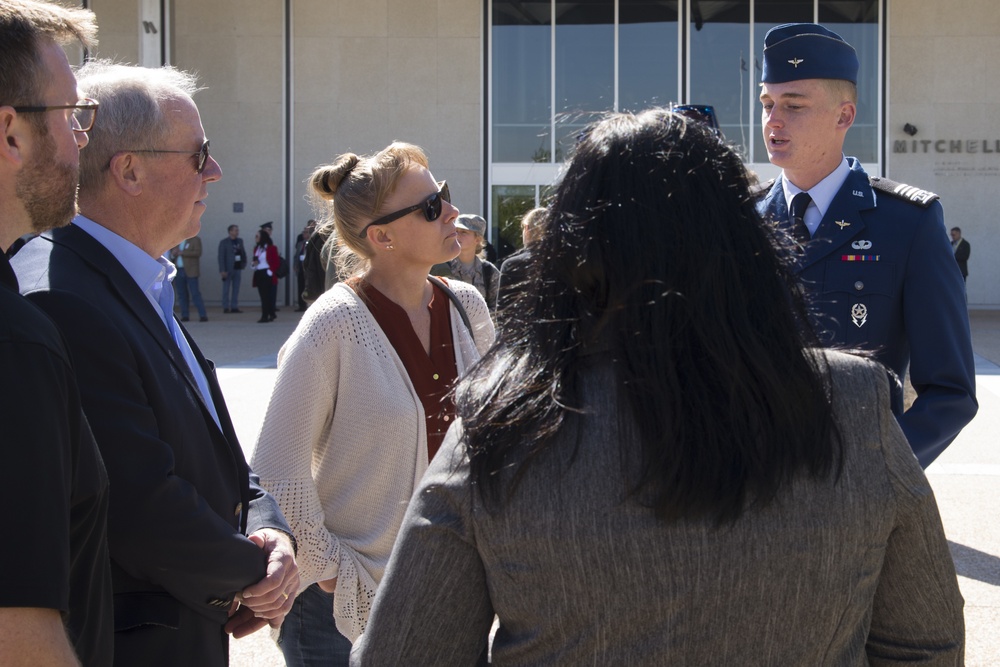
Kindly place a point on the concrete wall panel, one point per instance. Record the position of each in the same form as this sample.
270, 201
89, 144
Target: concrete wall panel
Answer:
942, 79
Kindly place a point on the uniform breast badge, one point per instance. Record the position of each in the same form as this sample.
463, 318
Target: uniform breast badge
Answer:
859, 314
861, 245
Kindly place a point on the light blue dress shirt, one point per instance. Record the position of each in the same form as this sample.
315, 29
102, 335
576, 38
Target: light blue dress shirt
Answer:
822, 195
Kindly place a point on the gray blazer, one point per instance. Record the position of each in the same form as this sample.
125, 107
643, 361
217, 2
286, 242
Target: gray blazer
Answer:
852, 573
227, 257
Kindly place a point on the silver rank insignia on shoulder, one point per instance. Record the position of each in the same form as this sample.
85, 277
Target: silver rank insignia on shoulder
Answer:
859, 314
841, 224
861, 245
914, 194
795, 62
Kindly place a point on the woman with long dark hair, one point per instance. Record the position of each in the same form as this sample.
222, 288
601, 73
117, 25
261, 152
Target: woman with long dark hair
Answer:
654, 465
265, 274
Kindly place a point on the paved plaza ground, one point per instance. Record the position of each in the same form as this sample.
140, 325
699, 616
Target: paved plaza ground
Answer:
966, 479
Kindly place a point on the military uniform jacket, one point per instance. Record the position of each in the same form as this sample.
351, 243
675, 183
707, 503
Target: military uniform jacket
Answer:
882, 276
182, 495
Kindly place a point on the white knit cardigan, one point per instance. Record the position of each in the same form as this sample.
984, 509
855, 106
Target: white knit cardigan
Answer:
344, 441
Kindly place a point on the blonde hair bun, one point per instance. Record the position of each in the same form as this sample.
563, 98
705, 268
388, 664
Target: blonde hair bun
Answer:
327, 178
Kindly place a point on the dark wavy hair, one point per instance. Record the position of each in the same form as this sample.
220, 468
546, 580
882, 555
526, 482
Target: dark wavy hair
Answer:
653, 253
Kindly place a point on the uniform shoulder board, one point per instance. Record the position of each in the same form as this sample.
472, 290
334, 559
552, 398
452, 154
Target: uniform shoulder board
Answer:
759, 190
921, 198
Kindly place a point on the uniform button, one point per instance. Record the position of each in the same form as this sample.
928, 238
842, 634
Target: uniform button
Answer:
436, 376
859, 285
446, 417
239, 509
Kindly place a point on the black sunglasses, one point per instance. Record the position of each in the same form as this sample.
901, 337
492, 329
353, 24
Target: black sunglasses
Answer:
431, 208
202, 154
702, 113
84, 112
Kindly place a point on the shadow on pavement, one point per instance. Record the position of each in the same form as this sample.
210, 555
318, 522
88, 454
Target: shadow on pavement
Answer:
974, 564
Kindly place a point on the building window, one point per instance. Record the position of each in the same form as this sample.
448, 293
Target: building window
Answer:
509, 204
521, 104
556, 66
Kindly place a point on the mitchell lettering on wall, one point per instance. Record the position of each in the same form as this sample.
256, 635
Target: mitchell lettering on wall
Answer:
965, 157
968, 146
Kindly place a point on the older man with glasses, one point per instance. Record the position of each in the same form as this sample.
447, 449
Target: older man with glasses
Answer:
197, 548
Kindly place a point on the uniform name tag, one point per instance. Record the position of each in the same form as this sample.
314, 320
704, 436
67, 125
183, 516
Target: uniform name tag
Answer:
859, 258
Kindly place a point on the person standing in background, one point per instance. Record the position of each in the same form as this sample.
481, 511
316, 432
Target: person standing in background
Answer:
318, 267
265, 274
471, 265
513, 271
232, 261
962, 251
301, 242
187, 258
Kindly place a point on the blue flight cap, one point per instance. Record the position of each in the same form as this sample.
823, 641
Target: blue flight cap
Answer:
797, 51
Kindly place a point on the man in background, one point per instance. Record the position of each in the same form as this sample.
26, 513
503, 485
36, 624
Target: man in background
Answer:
187, 258
55, 576
962, 250
197, 547
301, 242
232, 261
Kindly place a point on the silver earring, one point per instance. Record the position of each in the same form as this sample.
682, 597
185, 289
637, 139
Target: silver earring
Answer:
389, 247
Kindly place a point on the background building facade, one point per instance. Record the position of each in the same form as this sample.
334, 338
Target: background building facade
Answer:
496, 92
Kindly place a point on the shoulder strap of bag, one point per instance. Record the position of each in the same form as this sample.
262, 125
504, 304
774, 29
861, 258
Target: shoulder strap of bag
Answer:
458, 304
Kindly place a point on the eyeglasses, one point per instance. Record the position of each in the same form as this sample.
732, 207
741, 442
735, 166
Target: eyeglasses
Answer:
702, 113
431, 208
84, 112
202, 154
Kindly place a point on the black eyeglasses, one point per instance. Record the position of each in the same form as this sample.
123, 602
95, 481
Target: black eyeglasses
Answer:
84, 112
431, 207
202, 154
701, 113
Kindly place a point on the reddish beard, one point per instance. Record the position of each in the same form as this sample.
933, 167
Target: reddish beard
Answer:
46, 187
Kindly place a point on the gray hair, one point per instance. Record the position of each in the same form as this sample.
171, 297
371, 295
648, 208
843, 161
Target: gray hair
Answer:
131, 114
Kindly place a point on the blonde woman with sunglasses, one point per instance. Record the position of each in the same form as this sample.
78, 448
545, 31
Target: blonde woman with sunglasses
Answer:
361, 402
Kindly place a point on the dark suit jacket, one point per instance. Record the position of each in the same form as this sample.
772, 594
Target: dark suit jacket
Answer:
227, 257
962, 253
182, 496
881, 277
513, 277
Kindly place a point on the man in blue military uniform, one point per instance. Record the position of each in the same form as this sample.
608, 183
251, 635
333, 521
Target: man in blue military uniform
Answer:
875, 258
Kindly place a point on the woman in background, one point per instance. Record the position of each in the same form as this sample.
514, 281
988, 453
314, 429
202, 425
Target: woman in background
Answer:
265, 274
653, 466
512, 271
471, 265
361, 402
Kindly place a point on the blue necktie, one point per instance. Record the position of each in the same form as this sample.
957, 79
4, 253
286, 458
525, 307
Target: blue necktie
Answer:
797, 214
